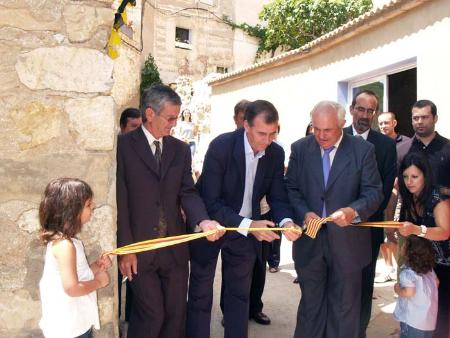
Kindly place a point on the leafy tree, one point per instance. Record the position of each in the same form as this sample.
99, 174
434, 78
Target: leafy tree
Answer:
293, 23
290, 24
149, 73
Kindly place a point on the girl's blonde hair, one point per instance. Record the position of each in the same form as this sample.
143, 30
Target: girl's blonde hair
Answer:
60, 210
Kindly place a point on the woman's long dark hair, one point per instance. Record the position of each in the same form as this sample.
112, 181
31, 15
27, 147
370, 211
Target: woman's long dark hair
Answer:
411, 207
60, 209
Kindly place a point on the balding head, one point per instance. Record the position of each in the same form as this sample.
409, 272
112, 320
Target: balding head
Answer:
328, 119
387, 123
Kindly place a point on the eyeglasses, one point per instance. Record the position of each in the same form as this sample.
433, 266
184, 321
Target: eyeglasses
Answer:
369, 111
168, 119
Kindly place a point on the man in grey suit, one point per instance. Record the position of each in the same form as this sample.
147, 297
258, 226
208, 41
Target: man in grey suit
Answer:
332, 174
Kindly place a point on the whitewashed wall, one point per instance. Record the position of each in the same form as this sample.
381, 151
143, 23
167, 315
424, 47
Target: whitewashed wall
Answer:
421, 35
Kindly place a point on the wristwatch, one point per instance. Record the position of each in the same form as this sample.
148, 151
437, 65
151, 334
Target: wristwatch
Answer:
423, 231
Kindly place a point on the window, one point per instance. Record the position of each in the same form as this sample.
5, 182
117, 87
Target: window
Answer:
221, 70
207, 2
182, 35
377, 85
395, 85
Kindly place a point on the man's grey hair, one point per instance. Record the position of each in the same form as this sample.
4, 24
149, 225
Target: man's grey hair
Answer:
156, 96
340, 110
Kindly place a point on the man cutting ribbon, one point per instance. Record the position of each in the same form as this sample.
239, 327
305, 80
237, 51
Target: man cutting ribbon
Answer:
331, 173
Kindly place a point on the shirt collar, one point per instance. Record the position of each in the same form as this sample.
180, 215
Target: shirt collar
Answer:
436, 141
363, 135
248, 148
150, 137
336, 145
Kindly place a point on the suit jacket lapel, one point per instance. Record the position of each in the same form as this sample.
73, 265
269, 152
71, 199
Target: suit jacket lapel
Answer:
315, 161
239, 155
259, 177
348, 130
143, 150
168, 153
340, 161
371, 137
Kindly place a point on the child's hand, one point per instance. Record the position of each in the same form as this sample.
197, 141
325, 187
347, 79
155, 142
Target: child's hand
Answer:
102, 277
104, 262
397, 288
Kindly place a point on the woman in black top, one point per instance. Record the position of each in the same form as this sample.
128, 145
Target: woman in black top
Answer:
427, 216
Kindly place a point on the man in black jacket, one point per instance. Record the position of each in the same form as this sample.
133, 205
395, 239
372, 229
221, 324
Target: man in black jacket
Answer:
363, 109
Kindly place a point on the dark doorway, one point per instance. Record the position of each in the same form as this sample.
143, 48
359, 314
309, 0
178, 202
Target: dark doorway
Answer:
402, 93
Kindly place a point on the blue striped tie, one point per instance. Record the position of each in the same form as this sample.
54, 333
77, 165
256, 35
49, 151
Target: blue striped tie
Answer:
326, 172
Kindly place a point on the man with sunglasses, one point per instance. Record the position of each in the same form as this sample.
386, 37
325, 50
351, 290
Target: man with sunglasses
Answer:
363, 108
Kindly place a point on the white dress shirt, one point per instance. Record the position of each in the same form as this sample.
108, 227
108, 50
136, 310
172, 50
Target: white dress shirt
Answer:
151, 139
363, 135
251, 164
333, 152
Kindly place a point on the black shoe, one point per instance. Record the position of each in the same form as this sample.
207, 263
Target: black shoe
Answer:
223, 322
260, 318
295, 280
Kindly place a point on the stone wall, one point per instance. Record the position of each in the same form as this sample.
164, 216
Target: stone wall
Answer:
60, 95
211, 39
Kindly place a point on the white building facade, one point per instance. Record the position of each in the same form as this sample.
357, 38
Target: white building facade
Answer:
401, 50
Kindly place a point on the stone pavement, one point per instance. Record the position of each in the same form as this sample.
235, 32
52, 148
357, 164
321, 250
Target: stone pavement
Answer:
281, 298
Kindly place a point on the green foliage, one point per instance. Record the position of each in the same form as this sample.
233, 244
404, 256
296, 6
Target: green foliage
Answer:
149, 73
293, 23
257, 31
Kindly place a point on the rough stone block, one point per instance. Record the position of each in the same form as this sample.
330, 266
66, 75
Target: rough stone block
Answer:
16, 317
38, 122
66, 69
83, 21
23, 19
26, 39
93, 122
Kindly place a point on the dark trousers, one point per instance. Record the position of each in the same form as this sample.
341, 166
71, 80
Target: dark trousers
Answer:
258, 282
238, 258
331, 297
159, 304
443, 319
274, 253
368, 277
128, 297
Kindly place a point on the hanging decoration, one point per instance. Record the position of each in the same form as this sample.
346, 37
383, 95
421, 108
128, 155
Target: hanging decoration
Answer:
120, 24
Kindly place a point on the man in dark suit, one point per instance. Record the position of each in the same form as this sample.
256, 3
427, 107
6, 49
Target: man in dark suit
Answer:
239, 169
259, 270
363, 109
154, 180
332, 174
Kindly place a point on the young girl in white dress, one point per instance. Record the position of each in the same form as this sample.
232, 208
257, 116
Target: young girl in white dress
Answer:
68, 285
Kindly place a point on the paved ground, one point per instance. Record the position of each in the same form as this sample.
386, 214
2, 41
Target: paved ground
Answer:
281, 298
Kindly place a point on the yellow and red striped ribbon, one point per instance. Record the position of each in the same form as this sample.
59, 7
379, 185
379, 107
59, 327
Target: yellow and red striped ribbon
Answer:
158, 243
313, 225
312, 228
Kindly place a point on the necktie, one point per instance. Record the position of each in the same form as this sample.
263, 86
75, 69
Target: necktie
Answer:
157, 155
162, 229
326, 172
